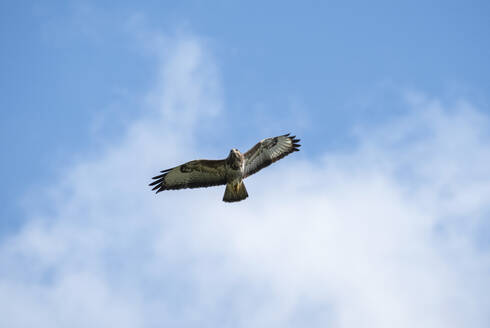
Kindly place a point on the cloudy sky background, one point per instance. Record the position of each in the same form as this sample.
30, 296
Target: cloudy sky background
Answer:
382, 220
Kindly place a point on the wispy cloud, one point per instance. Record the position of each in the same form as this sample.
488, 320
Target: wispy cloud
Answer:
381, 235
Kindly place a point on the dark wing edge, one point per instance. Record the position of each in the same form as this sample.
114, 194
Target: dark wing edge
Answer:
268, 151
194, 174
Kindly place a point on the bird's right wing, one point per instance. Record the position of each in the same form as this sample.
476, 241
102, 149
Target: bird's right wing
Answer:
194, 174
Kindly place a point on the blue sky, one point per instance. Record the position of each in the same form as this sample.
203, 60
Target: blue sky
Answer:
390, 101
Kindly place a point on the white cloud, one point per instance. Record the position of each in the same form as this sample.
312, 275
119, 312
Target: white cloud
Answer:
384, 235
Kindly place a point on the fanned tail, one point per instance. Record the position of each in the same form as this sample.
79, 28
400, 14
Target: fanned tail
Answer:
235, 192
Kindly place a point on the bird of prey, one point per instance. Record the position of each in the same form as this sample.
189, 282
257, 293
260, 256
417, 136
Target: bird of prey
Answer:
230, 171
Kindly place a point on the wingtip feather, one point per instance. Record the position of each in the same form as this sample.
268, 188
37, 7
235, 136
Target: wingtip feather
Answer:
154, 182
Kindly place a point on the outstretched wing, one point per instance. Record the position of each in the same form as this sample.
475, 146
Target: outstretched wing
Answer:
194, 174
268, 151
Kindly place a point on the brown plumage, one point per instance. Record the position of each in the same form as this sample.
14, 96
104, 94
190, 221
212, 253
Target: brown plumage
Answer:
230, 171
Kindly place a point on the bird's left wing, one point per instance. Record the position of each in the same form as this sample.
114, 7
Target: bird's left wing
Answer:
194, 174
268, 151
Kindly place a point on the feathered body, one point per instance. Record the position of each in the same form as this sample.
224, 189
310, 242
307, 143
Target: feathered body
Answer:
235, 169
230, 171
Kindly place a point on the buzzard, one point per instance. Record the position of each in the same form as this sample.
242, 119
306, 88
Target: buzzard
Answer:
230, 171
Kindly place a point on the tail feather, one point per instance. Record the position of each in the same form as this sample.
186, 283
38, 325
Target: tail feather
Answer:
235, 192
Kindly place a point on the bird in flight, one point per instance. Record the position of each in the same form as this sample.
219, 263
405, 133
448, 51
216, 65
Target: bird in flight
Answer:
230, 171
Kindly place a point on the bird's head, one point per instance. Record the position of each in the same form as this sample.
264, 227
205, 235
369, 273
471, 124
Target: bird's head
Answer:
235, 153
